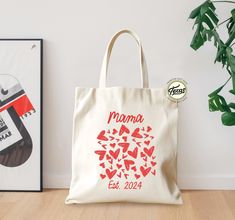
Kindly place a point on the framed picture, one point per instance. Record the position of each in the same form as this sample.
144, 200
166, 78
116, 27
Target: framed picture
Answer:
21, 114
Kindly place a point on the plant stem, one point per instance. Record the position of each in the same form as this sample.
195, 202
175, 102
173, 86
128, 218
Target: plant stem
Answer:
223, 2
221, 23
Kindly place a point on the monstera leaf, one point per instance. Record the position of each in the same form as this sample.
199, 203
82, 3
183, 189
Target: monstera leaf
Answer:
205, 18
207, 23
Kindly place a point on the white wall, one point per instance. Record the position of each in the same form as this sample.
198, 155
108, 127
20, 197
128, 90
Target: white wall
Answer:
75, 36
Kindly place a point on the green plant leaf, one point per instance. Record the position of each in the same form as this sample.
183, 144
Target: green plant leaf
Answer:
232, 91
231, 105
203, 15
216, 91
228, 118
218, 103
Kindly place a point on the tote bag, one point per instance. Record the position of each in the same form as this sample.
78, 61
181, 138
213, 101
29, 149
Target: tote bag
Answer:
124, 145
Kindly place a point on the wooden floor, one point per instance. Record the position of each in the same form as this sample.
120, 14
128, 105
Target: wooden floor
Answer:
50, 205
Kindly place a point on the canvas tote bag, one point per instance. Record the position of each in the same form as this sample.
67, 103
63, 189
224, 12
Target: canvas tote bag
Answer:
124, 142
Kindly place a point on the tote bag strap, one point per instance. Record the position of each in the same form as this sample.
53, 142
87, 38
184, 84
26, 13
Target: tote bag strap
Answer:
104, 69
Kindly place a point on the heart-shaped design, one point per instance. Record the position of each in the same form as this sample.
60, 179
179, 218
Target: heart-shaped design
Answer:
117, 139
110, 161
119, 165
108, 131
119, 175
154, 172
142, 129
153, 157
119, 160
101, 154
102, 176
149, 129
108, 157
138, 143
124, 146
112, 145
145, 164
124, 138
137, 176
149, 151
123, 129
146, 135
153, 163
101, 136
114, 154
102, 165
111, 167
127, 163
133, 153
99, 142
133, 139
114, 131
124, 156
151, 137
136, 133
142, 154
110, 173
104, 146
123, 170
145, 171
133, 168
147, 142
126, 175
145, 158
111, 138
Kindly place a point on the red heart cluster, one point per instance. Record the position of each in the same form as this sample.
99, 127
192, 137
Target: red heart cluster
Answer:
120, 150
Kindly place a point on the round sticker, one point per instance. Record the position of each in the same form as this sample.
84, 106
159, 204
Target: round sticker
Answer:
177, 89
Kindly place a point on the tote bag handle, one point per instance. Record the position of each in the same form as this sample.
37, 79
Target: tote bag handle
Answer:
104, 69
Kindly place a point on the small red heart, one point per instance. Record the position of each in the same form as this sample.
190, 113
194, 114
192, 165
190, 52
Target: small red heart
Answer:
154, 172
136, 133
142, 129
124, 156
128, 163
114, 154
119, 160
101, 136
102, 165
153, 157
113, 145
133, 153
114, 131
119, 165
147, 142
124, 138
153, 163
146, 135
149, 129
99, 142
103, 145
111, 138
123, 129
102, 176
137, 176
119, 175
108, 157
138, 143
133, 139
151, 137
110, 173
126, 175
111, 167
125, 146
110, 161
123, 170
101, 154
145, 171
149, 151
145, 158
145, 164
142, 154
133, 168
108, 131
117, 139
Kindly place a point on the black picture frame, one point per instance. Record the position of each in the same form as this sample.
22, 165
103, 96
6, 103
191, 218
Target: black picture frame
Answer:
40, 40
